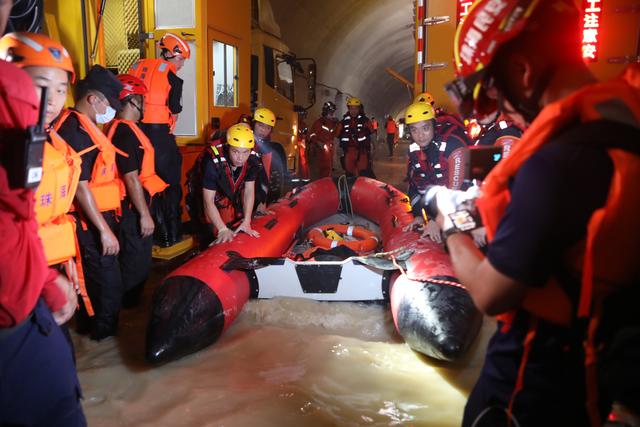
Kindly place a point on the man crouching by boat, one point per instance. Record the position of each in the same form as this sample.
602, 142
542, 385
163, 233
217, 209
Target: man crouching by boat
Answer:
428, 162
229, 172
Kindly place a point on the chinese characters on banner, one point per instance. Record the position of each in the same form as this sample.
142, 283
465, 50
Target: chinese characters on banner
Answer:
463, 10
592, 14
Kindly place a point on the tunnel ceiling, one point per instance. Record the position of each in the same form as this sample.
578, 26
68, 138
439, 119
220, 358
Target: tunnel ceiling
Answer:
352, 42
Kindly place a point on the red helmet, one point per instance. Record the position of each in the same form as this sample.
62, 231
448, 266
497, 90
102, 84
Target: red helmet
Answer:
131, 85
35, 50
488, 26
175, 44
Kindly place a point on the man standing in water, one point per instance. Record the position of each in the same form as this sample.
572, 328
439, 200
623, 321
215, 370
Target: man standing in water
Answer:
354, 134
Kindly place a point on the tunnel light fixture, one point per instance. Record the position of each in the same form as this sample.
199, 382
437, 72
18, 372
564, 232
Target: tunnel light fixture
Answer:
434, 66
435, 20
591, 17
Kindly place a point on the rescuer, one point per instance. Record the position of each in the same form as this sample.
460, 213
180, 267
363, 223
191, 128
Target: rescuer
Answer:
32, 346
98, 197
321, 139
142, 183
354, 133
560, 212
374, 125
274, 175
162, 104
431, 161
392, 134
49, 65
229, 173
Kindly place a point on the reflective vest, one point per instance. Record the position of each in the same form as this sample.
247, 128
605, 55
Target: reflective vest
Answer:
355, 131
391, 126
54, 198
435, 165
106, 187
155, 75
608, 258
147, 173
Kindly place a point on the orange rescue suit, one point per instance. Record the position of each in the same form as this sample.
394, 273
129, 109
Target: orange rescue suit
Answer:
147, 174
155, 75
105, 184
608, 259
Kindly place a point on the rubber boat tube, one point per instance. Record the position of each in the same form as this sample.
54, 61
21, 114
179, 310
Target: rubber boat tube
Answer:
198, 301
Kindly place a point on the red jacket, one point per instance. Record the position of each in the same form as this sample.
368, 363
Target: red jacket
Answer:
24, 275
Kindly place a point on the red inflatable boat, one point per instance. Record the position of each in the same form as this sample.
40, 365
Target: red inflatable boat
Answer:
198, 301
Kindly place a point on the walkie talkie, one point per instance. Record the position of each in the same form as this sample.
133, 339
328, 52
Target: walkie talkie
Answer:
23, 156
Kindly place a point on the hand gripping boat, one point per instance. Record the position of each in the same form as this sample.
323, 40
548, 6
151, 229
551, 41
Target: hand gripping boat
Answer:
198, 301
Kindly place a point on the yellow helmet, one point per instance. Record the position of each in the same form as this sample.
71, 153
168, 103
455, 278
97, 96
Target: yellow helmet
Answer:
419, 112
424, 97
240, 136
266, 116
354, 102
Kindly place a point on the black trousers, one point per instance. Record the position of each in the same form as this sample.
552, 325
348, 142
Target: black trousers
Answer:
103, 280
391, 142
135, 255
166, 210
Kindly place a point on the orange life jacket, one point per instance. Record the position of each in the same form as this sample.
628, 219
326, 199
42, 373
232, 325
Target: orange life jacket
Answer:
147, 174
54, 197
105, 184
609, 257
391, 126
155, 75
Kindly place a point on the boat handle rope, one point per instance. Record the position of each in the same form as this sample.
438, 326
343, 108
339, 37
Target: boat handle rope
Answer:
434, 281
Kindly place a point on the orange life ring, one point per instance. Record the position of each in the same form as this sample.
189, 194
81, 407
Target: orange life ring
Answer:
366, 241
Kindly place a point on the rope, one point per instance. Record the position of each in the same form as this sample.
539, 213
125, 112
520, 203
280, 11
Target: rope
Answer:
433, 281
344, 196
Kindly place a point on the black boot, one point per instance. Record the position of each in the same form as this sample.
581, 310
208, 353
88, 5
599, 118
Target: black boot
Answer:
104, 328
174, 226
161, 233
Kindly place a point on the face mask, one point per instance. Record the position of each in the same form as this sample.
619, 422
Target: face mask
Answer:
106, 117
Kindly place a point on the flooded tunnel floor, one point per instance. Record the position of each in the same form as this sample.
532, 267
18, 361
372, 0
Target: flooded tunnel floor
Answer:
284, 362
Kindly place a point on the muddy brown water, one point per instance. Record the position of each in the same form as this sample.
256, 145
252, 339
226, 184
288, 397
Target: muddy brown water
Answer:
284, 362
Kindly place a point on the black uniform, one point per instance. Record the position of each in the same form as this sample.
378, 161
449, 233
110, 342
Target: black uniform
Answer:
271, 184
228, 183
135, 250
166, 210
102, 272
